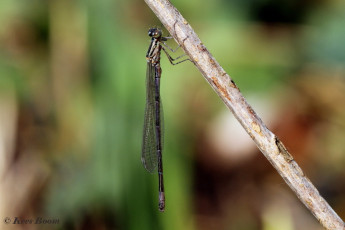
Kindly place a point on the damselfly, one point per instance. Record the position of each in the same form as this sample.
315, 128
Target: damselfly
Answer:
153, 125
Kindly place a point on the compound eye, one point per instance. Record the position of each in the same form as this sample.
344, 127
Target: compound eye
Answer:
150, 33
158, 33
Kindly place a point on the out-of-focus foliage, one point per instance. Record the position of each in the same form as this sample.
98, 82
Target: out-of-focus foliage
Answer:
72, 95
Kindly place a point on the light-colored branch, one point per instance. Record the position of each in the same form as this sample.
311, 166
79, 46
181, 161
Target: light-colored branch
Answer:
267, 142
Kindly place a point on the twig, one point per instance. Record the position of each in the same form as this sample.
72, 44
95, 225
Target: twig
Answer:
267, 142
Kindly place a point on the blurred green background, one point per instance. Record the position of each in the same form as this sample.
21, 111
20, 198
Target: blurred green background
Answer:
72, 97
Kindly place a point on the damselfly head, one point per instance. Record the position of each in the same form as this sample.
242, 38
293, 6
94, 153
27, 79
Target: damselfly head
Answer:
155, 32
